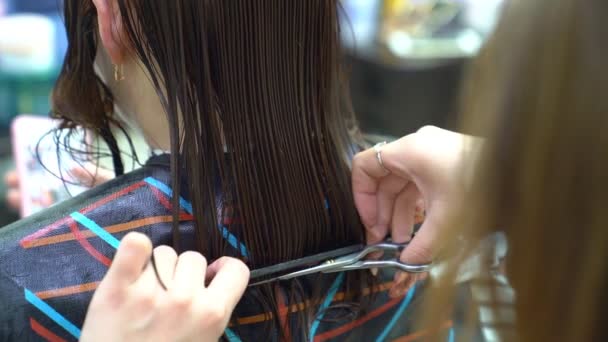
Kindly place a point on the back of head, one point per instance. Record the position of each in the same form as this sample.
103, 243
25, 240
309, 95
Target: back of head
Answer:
260, 119
262, 80
538, 91
255, 97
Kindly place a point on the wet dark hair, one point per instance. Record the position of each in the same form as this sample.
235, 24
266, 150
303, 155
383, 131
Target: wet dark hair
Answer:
257, 102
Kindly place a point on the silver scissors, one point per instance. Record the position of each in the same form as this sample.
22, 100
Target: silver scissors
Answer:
340, 260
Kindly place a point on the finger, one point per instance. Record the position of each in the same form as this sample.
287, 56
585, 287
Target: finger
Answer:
366, 176
420, 211
13, 199
402, 288
388, 190
132, 256
143, 298
229, 281
404, 214
189, 274
420, 204
165, 259
421, 249
147, 283
397, 290
426, 243
367, 166
11, 179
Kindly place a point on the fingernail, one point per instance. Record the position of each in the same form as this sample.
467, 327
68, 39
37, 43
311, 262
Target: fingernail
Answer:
393, 292
397, 291
374, 272
400, 277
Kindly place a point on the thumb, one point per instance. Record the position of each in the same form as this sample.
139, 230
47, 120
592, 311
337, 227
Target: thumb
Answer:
421, 250
129, 262
427, 242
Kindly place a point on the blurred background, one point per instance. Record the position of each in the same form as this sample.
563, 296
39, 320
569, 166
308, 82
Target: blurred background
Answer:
32, 45
406, 59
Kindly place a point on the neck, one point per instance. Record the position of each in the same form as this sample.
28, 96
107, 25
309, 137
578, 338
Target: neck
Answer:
136, 101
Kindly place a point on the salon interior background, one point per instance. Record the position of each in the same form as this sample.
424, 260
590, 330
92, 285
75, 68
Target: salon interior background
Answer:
406, 58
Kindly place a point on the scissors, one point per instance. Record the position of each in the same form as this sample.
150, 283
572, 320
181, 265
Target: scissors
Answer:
339, 260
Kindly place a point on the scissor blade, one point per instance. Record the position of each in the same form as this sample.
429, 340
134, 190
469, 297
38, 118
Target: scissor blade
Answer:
395, 264
306, 261
321, 268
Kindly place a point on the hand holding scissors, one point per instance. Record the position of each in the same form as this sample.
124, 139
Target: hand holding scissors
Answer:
340, 260
390, 181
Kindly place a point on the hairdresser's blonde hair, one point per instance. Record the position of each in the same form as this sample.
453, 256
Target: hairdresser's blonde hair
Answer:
539, 91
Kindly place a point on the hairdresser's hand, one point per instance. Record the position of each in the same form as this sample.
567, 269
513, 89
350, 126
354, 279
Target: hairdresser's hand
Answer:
422, 171
130, 304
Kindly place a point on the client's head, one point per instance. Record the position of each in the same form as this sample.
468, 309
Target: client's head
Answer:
253, 95
260, 80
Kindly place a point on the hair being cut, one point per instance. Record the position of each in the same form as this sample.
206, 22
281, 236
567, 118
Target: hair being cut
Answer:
260, 120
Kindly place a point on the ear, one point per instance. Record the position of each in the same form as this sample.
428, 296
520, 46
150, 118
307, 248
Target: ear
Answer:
110, 29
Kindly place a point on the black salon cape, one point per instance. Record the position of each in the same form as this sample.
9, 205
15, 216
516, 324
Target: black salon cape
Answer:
51, 263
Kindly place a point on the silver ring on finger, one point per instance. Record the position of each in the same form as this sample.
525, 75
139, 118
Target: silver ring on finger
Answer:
378, 149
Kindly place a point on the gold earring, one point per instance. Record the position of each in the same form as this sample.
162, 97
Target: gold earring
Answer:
119, 72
